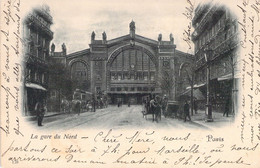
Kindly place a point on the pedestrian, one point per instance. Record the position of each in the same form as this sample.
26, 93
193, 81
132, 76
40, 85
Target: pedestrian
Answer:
164, 105
94, 104
186, 111
226, 107
40, 109
129, 102
154, 104
195, 105
77, 107
158, 108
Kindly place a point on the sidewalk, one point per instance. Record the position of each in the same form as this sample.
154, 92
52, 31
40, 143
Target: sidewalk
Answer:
218, 119
50, 114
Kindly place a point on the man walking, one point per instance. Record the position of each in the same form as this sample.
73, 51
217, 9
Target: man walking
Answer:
186, 111
164, 105
40, 109
226, 108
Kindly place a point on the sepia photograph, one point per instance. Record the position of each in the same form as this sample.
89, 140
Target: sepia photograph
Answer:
133, 79
130, 83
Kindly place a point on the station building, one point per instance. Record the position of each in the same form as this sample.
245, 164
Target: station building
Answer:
128, 67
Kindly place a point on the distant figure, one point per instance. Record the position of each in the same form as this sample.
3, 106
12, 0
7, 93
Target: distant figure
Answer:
94, 104
40, 109
52, 48
132, 26
63, 46
147, 104
186, 111
195, 105
155, 108
226, 107
129, 103
164, 105
160, 37
104, 36
171, 38
93, 36
158, 108
77, 107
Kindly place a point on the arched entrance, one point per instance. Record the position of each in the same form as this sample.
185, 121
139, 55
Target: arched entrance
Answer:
131, 74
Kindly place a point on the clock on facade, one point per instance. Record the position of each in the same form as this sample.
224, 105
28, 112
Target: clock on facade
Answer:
166, 63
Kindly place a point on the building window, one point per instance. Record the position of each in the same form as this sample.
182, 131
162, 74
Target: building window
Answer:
43, 78
126, 88
145, 76
118, 89
28, 74
119, 76
139, 89
112, 89
132, 89
152, 76
36, 76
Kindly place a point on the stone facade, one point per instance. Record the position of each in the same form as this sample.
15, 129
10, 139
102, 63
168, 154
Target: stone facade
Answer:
216, 30
128, 67
37, 36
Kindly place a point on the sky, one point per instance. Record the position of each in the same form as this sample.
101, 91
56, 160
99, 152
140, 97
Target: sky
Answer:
74, 21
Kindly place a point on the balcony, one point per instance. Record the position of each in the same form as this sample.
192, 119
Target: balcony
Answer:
40, 25
45, 14
32, 59
207, 18
227, 45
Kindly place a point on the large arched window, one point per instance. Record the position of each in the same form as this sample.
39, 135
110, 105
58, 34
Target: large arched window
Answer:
79, 71
132, 64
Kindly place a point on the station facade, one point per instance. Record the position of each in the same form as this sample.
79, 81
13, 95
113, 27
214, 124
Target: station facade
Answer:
128, 67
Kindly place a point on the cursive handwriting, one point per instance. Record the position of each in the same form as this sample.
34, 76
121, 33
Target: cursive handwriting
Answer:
26, 148
189, 15
17, 129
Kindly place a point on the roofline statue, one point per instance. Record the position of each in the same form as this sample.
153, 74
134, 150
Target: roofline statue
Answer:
160, 37
93, 36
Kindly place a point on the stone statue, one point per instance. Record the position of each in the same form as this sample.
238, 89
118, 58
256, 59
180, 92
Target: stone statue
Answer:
63, 46
104, 35
52, 48
171, 38
160, 37
132, 26
93, 35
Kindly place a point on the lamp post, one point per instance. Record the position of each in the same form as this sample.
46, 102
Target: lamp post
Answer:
207, 53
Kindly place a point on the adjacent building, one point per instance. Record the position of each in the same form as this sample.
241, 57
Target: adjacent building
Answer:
216, 45
37, 36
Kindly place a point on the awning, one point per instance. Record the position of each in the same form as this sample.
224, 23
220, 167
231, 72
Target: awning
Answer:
227, 77
196, 86
196, 94
35, 86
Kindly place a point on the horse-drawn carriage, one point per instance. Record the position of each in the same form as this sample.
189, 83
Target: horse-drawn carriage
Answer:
172, 109
151, 107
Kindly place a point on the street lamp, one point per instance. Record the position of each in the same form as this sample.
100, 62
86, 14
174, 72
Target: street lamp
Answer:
207, 54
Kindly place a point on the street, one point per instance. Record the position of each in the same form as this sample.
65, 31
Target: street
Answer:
112, 117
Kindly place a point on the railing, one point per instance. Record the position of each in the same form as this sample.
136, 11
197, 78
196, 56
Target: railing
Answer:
226, 45
135, 81
34, 59
40, 24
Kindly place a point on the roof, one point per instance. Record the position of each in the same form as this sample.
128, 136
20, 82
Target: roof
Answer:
78, 53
